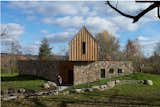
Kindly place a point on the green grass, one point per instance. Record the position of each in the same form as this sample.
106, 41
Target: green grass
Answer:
134, 91
139, 92
135, 76
13, 80
122, 94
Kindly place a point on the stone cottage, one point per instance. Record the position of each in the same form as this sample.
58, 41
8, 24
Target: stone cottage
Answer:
83, 65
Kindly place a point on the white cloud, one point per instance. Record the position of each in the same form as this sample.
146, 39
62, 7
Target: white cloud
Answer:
131, 7
67, 21
125, 23
148, 44
44, 31
31, 17
60, 37
142, 38
13, 30
30, 49
12, 33
97, 24
50, 7
75, 14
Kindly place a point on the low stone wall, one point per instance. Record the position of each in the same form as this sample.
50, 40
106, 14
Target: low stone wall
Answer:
45, 69
91, 71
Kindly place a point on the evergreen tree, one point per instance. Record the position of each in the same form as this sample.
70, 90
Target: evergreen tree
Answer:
44, 50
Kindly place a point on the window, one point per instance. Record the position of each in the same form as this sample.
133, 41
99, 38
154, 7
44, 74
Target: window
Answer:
120, 71
102, 73
83, 47
111, 70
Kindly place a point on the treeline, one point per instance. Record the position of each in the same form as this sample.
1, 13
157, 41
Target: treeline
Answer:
109, 49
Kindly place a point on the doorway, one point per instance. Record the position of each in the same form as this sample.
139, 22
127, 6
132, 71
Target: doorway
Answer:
70, 77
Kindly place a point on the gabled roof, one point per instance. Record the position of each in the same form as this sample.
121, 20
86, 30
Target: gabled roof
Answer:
84, 28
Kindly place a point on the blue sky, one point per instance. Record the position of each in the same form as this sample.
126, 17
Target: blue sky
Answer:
29, 22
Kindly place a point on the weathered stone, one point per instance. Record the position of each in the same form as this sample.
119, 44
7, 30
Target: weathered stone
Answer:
40, 93
21, 90
21, 96
111, 84
76, 90
9, 98
88, 89
103, 86
11, 91
89, 72
141, 81
95, 87
117, 81
46, 86
65, 92
148, 82
56, 93
52, 85
29, 92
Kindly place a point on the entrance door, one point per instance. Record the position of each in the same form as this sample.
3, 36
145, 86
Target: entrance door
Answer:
70, 77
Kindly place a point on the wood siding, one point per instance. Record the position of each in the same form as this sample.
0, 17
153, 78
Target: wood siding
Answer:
75, 47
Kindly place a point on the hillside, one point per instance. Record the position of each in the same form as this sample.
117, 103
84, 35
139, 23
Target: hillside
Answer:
131, 94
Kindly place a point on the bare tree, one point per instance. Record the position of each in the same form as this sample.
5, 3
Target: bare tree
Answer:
11, 48
133, 52
130, 50
157, 49
155, 4
108, 46
4, 31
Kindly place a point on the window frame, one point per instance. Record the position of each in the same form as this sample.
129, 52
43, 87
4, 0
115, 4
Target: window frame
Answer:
83, 47
120, 71
103, 73
111, 71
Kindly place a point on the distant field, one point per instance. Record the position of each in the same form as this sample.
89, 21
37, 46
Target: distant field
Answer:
13, 80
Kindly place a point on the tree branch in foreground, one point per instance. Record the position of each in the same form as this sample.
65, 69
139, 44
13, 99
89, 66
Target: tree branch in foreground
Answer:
139, 15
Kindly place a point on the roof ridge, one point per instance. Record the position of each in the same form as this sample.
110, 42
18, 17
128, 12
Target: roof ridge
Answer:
84, 27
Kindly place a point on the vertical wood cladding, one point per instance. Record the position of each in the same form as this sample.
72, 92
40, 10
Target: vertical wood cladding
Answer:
76, 50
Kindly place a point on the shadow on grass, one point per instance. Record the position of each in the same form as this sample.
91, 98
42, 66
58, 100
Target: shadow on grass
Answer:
38, 103
20, 78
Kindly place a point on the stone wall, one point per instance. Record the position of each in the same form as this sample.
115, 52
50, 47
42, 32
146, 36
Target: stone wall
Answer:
81, 72
91, 71
46, 69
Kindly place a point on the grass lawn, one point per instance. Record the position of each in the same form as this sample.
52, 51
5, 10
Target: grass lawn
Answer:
125, 94
135, 91
136, 76
13, 80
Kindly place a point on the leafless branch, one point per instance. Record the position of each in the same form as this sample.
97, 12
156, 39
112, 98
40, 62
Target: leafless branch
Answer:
139, 15
4, 32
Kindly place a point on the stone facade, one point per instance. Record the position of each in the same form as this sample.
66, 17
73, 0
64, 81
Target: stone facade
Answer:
75, 72
91, 71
